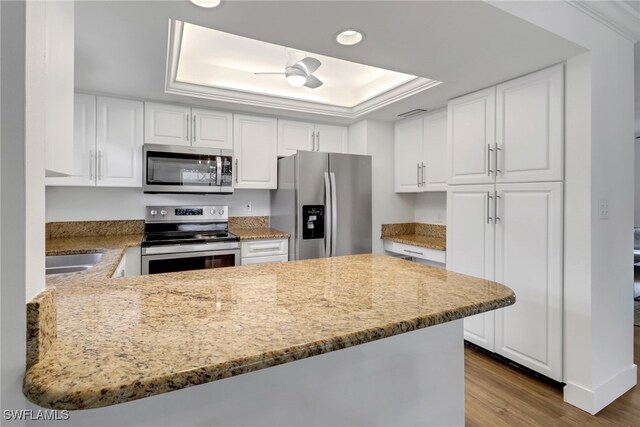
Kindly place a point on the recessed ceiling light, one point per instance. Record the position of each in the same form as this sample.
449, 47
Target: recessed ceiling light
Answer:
206, 3
349, 37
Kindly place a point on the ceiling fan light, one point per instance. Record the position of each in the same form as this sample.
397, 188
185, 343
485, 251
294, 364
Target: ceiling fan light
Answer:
296, 80
206, 3
349, 37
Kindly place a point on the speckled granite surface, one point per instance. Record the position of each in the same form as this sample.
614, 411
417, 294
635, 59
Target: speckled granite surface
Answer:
433, 236
258, 233
41, 325
248, 222
154, 334
57, 230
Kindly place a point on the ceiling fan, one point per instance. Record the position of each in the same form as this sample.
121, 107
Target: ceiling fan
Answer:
300, 73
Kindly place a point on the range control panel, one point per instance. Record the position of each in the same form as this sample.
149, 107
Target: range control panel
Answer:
312, 222
186, 213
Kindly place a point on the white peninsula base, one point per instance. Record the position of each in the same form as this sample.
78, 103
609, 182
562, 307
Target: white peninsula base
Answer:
412, 379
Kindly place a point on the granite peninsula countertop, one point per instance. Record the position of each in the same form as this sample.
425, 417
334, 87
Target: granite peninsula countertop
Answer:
432, 236
154, 334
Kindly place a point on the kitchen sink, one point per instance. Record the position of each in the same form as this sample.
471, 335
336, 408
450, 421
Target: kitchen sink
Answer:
57, 264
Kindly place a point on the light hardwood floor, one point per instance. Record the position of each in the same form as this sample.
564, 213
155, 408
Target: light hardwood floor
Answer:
499, 395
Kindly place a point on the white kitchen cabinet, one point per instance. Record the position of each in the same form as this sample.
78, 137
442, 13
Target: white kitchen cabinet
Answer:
529, 261
130, 264
107, 143
435, 256
255, 150
471, 137
264, 251
470, 248
119, 142
419, 153
512, 234
529, 127
180, 125
294, 135
332, 139
512, 132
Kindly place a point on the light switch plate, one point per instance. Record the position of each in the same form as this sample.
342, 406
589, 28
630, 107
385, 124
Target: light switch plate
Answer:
603, 208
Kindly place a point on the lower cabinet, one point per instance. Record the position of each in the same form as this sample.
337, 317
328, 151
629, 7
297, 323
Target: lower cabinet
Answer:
129, 265
264, 251
512, 234
430, 256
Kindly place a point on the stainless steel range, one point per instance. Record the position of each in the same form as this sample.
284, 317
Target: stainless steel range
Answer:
181, 238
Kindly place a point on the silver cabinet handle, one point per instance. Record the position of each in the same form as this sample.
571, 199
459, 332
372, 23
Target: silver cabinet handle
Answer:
99, 165
237, 171
498, 149
418, 174
489, 200
334, 214
413, 252
187, 127
313, 141
318, 140
489, 151
495, 212
92, 162
194, 128
327, 201
424, 180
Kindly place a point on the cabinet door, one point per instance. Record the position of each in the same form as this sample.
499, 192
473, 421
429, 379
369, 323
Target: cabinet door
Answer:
119, 142
332, 139
211, 129
529, 261
293, 136
529, 127
255, 147
167, 124
471, 138
408, 156
470, 248
434, 149
84, 144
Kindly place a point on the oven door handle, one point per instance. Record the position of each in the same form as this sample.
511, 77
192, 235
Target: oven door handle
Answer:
182, 249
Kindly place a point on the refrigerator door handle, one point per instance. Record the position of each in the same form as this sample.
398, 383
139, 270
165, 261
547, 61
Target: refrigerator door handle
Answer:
334, 215
329, 219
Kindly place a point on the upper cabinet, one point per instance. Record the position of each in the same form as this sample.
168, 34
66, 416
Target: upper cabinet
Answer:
471, 137
255, 146
179, 125
420, 153
529, 124
509, 133
107, 143
294, 135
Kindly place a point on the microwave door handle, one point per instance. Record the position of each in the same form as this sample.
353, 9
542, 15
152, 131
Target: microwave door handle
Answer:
218, 171
327, 215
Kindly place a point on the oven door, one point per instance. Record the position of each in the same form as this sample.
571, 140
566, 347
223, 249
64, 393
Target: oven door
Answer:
177, 169
169, 263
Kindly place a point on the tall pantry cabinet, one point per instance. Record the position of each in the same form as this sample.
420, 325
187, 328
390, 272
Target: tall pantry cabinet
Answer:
505, 212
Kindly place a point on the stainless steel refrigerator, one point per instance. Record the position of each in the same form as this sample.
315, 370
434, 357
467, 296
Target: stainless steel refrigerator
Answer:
323, 201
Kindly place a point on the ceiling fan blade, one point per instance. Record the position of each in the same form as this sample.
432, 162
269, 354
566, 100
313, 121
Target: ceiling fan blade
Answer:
308, 64
268, 73
313, 82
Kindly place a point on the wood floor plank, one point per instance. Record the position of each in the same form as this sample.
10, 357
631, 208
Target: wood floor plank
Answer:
497, 394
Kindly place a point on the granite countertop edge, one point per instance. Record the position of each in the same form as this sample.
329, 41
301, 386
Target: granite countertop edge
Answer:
437, 243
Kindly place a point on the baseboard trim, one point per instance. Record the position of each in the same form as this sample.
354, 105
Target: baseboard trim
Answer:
593, 401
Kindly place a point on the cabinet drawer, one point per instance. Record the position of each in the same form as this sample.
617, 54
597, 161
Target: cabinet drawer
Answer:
416, 251
265, 259
263, 248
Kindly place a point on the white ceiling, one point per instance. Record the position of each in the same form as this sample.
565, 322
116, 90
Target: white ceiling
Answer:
121, 46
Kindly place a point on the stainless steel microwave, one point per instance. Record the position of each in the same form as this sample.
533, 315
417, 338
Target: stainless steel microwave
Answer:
180, 169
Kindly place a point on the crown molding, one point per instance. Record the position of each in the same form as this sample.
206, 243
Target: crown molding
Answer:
174, 86
617, 15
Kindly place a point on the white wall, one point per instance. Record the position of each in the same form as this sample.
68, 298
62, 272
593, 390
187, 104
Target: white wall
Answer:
98, 203
637, 183
431, 208
376, 139
598, 285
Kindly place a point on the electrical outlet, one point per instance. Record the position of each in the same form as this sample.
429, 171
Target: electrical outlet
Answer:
439, 218
603, 208
247, 206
